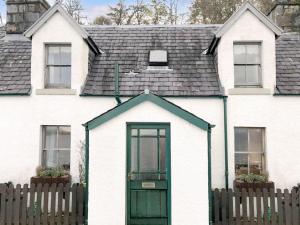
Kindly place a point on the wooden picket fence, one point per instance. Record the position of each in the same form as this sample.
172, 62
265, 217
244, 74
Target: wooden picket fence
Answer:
41, 204
256, 208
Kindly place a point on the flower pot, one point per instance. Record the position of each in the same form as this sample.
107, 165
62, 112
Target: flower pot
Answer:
51, 180
239, 185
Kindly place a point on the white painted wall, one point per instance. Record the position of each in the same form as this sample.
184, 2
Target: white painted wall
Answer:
107, 187
247, 28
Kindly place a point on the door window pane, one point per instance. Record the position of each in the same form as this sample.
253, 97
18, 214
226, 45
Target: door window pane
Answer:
134, 156
162, 148
148, 154
148, 132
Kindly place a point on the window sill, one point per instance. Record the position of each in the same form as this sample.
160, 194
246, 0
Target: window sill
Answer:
249, 91
55, 92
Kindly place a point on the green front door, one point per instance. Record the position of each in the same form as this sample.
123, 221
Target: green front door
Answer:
148, 174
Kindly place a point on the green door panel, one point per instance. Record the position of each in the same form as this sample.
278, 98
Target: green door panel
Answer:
148, 203
148, 174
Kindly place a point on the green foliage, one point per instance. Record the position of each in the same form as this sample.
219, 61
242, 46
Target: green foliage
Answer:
51, 172
102, 20
252, 178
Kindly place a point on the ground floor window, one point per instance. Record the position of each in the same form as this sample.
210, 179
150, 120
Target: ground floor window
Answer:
56, 146
249, 150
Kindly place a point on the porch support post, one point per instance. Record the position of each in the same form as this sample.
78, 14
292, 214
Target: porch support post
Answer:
225, 141
86, 175
209, 174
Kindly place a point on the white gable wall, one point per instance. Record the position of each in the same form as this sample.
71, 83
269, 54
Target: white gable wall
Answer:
58, 30
248, 28
107, 187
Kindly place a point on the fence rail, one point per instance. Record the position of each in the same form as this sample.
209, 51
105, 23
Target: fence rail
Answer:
41, 204
256, 208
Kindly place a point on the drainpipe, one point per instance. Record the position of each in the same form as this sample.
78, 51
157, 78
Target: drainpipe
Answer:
117, 86
225, 141
209, 174
86, 174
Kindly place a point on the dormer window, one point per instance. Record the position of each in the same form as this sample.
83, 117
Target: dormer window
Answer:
247, 65
58, 66
158, 58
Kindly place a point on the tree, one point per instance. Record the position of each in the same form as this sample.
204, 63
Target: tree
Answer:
172, 11
102, 20
159, 11
74, 8
118, 14
218, 11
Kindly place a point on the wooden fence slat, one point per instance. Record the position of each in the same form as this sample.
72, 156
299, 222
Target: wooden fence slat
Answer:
216, 207
31, 203
67, 204
3, 189
279, 207
230, 207
295, 215
258, 206
74, 208
45, 204
266, 206
24, 205
80, 203
237, 208
244, 207
251, 207
9, 213
59, 204
38, 204
273, 209
224, 206
52, 205
287, 208
16, 204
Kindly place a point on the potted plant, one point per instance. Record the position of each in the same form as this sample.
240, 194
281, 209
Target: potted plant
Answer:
51, 176
253, 181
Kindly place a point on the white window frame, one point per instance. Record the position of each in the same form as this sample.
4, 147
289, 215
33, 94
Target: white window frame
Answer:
44, 149
47, 66
263, 153
254, 85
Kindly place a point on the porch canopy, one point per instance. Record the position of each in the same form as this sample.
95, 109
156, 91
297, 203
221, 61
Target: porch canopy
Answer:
117, 195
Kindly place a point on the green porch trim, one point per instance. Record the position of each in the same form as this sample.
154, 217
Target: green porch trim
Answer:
86, 175
209, 176
225, 141
163, 103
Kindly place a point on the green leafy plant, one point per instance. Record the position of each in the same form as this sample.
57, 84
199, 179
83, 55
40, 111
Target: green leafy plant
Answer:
253, 178
51, 172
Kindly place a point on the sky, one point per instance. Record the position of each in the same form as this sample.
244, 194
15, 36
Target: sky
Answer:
94, 8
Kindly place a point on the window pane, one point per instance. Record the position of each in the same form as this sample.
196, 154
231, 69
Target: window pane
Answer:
148, 132
64, 159
239, 54
241, 163
255, 140
53, 55
252, 74
65, 55
148, 154
253, 54
50, 141
162, 132
241, 139
239, 75
50, 158
255, 161
134, 132
65, 76
59, 77
162, 148
53, 76
64, 137
134, 161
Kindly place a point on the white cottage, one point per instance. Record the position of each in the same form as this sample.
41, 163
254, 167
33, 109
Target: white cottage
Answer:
177, 110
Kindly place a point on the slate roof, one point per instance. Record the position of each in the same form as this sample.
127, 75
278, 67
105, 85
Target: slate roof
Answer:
190, 73
14, 66
288, 64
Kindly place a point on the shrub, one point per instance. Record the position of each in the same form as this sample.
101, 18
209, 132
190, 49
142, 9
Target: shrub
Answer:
51, 172
253, 178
